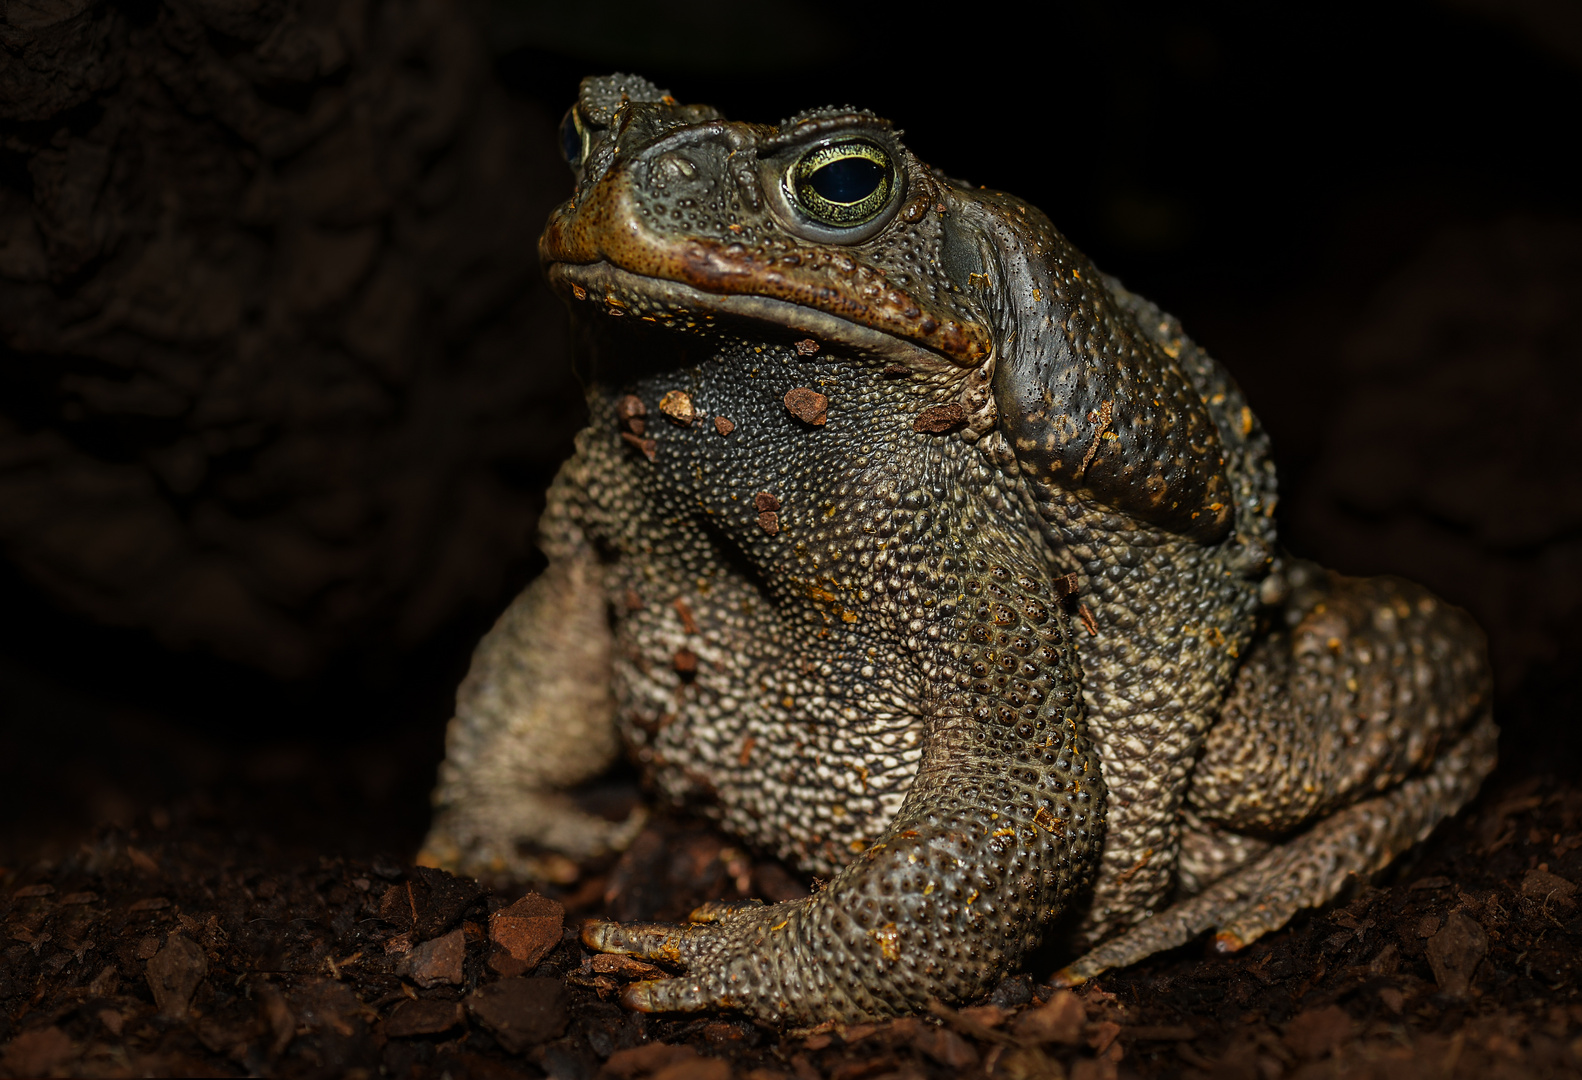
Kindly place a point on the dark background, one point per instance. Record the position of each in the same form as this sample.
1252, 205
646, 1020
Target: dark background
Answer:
280, 386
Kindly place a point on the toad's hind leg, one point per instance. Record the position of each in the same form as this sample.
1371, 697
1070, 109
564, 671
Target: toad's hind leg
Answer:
534, 716
1349, 734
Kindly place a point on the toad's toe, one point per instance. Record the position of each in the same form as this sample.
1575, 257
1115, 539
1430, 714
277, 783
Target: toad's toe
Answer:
651, 941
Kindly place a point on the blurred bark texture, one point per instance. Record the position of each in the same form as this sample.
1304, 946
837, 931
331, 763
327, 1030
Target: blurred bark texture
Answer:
1450, 458
278, 374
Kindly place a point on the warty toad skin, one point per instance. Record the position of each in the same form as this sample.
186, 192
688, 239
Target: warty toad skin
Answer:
919, 552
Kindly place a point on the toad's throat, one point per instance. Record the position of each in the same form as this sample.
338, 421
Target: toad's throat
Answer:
816, 278
603, 290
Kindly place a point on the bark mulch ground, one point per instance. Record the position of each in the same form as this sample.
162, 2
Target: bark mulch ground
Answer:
182, 946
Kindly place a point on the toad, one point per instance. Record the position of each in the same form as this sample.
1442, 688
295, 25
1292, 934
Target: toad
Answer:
916, 550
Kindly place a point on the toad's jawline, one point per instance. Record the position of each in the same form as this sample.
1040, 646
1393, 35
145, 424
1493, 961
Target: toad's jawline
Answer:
602, 281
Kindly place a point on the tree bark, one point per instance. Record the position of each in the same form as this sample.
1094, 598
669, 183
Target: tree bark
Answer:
278, 374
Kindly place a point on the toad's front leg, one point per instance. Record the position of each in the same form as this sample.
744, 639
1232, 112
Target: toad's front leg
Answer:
1000, 825
995, 832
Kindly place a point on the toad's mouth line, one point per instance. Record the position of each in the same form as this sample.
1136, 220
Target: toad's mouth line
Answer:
618, 293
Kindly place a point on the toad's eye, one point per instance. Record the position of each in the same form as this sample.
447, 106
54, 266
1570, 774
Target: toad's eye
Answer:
844, 185
573, 140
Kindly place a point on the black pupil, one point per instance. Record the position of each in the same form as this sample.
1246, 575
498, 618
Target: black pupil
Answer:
847, 179
571, 140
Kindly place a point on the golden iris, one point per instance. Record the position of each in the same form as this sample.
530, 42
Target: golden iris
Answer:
844, 185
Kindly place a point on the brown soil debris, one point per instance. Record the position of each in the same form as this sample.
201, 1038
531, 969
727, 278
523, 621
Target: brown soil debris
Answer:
285, 968
526, 931
938, 419
807, 405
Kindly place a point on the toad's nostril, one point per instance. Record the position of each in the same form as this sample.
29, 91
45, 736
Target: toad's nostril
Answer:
672, 167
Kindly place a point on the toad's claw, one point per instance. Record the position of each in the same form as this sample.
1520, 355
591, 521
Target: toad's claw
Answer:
719, 948
672, 995
639, 997
1227, 942
651, 941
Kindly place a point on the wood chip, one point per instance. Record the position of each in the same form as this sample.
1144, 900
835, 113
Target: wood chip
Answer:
806, 347
37, 1053
629, 966
1455, 953
630, 411
430, 902
948, 1048
938, 419
527, 931
174, 974
276, 1014
1087, 620
686, 662
1160, 1033
1539, 884
521, 1012
767, 505
629, 408
966, 1025
990, 1016
723, 426
807, 405
436, 962
106, 983
678, 406
1102, 1035
1058, 1020
645, 446
653, 1059
1317, 1032
423, 1018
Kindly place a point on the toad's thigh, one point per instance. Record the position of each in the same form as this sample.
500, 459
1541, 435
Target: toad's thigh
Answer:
1363, 685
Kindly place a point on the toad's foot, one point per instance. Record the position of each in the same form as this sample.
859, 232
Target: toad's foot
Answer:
845, 954
534, 718
486, 838
720, 944
1309, 869
923, 914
